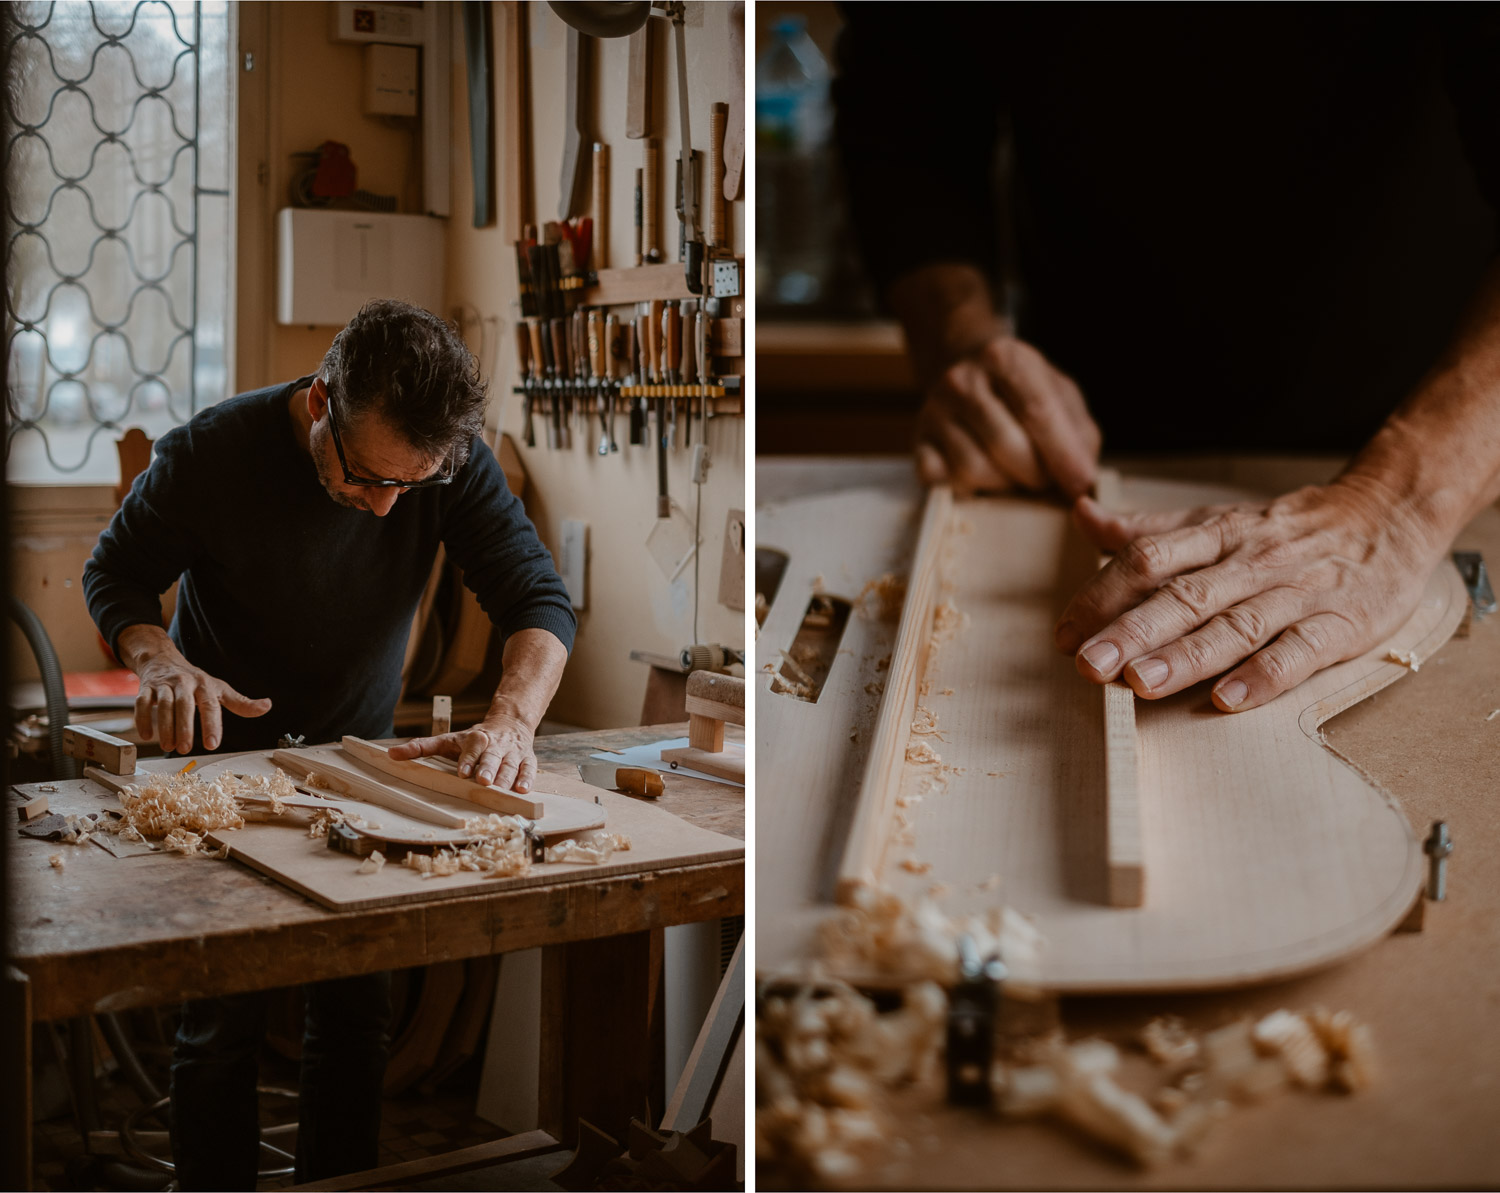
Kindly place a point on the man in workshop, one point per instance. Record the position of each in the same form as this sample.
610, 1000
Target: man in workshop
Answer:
1212, 228
303, 520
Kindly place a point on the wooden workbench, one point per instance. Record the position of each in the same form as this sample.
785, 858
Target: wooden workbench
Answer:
157, 929
1432, 997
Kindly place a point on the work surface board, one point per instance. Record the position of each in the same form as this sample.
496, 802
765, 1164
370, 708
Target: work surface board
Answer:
284, 851
1266, 854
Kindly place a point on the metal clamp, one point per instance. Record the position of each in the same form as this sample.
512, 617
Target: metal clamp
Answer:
1438, 847
972, 1007
1471, 567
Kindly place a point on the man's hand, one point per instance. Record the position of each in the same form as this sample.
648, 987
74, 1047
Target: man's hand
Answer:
1269, 592
998, 415
173, 691
1002, 416
496, 752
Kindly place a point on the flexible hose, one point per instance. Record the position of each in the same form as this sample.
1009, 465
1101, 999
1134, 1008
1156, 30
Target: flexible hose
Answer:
130, 1063
31, 625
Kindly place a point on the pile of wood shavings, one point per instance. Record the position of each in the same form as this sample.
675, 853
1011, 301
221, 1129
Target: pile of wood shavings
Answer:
594, 848
824, 1059
1207, 1075
827, 1061
178, 810
497, 850
915, 940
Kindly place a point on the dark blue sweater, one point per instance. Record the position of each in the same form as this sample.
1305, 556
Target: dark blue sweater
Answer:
289, 595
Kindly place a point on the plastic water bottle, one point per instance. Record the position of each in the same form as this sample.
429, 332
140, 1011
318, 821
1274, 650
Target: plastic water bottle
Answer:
793, 123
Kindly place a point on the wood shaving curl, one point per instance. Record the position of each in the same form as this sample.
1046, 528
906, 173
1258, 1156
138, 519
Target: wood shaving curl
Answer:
1407, 659
594, 848
372, 864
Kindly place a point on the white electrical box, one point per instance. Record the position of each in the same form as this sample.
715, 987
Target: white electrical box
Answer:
390, 80
330, 263
392, 23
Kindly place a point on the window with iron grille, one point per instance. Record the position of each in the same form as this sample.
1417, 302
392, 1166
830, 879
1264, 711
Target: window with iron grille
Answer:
119, 300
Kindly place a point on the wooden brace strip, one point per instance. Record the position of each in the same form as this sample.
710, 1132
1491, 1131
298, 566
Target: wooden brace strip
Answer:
881, 782
1125, 847
433, 776
345, 780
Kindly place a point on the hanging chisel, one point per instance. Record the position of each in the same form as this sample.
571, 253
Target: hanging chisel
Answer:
672, 340
688, 332
560, 357
654, 329
528, 378
611, 375
637, 358
596, 377
702, 338
637, 217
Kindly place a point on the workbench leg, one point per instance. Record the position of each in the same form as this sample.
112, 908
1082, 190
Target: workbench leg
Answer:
603, 1035
15, 1049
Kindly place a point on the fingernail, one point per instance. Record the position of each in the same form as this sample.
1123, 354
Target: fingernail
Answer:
1231, 694
212, 743
465, 769
1150, 672
1102, 656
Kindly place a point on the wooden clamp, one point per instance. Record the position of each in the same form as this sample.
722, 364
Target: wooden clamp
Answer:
713, 700
114, 754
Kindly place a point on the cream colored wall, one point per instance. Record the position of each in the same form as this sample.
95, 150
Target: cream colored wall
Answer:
631, 606
316, 98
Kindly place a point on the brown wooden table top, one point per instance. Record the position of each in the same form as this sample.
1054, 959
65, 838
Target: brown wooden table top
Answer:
159, 928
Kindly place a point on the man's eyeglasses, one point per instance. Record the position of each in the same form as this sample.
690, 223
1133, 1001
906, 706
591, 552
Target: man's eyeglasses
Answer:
377, 482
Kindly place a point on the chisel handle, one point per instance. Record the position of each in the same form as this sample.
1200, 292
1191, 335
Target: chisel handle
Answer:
653, 330
560, 349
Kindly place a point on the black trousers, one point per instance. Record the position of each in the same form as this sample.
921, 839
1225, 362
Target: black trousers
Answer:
215, 1127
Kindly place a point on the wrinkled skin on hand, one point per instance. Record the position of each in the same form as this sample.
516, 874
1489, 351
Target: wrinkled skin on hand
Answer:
497, 752
173, 693
1263, 594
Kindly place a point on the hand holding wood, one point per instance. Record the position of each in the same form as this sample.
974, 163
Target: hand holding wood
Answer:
496, 752
1263, 593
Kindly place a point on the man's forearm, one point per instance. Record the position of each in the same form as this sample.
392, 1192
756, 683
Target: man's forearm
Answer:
137, 645
947, 310
1438, 455
533, 663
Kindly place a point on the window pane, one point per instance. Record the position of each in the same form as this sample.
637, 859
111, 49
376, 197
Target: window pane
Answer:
120, 296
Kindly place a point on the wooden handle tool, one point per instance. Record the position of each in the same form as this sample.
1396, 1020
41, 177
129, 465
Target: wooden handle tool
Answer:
718, 234
601, 205
651, 185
